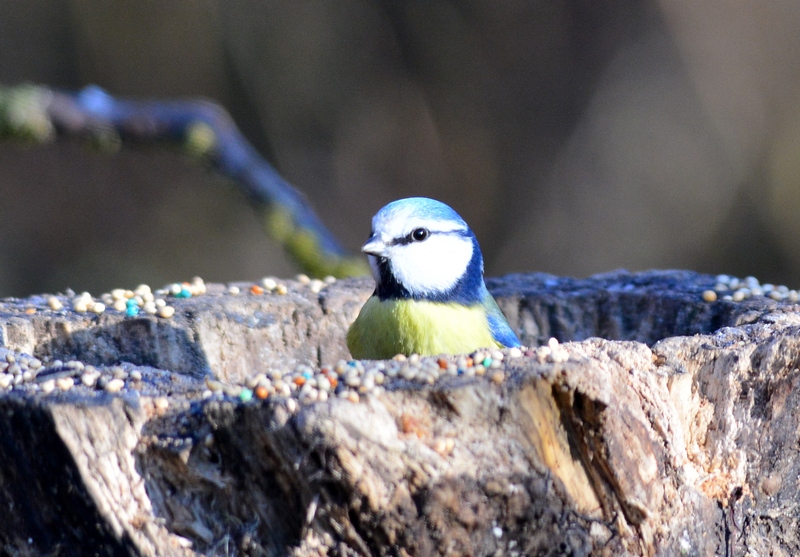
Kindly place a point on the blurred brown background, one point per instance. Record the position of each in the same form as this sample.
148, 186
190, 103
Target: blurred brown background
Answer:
575, 137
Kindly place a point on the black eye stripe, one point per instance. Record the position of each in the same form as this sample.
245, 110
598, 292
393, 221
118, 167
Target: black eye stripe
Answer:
409, 238
403, 241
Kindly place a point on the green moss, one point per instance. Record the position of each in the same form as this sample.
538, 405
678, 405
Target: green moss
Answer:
305, 249
200, 140
279, 224
23, 114
106, 140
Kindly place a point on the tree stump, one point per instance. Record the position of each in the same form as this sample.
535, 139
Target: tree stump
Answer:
660, 424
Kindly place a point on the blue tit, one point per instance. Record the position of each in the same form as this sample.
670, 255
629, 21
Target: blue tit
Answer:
429, 296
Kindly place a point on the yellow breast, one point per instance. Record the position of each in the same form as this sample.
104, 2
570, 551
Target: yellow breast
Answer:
384, 329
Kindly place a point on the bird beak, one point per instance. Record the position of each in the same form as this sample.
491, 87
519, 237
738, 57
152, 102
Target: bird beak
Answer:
376, 247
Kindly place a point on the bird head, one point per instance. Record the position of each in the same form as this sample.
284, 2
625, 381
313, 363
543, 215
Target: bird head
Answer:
421, 248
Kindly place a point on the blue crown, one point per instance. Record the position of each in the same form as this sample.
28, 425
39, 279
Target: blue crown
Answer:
424, 207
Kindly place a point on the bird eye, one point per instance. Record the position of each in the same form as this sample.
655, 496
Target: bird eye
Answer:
420, 234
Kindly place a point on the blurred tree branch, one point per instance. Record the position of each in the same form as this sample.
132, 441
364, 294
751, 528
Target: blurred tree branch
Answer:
201, 128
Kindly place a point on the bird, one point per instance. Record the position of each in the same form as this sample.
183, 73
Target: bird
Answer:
430, 297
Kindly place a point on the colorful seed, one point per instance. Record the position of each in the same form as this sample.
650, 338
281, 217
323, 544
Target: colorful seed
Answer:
184, 293
269, 283
166, 312
316, 286
114, 386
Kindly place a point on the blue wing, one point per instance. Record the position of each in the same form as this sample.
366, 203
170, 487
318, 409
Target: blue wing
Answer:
501, 330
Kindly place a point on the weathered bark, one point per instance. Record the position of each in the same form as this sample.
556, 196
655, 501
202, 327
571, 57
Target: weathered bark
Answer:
643, 442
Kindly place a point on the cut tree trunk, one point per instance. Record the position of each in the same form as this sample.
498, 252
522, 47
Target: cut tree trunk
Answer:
661, 424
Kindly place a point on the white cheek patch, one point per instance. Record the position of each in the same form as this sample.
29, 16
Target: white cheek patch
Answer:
434, 265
